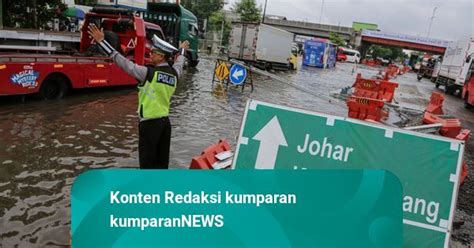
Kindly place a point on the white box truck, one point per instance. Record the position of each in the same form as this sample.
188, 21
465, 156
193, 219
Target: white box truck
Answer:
262, 45
454, 69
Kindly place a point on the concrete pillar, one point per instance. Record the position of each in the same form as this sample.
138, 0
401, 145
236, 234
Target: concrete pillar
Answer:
363, 49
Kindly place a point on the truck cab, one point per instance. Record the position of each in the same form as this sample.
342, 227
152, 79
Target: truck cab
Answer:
457, 60
178, 25
128, 34
468, 89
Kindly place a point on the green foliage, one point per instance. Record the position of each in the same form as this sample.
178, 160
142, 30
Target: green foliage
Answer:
336, 39
247, 10
215, 24
40, 12
203, 8
392, 53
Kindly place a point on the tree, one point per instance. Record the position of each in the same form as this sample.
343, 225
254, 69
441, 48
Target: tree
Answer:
336, 39
215, 24
247, 10
392, 53
36, 14
203, 8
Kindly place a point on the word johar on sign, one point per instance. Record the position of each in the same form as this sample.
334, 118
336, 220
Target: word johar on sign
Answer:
325, 149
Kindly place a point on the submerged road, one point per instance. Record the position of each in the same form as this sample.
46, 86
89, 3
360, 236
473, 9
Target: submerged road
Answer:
44, 145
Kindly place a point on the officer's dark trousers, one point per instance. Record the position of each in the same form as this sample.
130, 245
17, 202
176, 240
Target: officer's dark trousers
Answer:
154, 143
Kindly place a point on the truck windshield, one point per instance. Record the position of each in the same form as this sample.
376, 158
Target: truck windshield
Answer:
192, 29
349, 53
151, 32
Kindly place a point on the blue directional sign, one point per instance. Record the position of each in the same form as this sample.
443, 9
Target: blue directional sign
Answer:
238, 74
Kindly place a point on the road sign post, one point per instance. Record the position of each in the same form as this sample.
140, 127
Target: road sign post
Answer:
276, 137
238, 76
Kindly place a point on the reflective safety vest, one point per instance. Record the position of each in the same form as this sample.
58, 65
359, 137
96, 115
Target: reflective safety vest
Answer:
155, 93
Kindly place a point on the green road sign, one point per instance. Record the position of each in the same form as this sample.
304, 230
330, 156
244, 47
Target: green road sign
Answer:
277, 137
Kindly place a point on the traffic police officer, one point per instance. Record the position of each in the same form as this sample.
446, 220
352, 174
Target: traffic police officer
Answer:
156, 86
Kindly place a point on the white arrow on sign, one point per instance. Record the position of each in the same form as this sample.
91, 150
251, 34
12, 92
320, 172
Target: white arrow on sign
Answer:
237, 74
271, 137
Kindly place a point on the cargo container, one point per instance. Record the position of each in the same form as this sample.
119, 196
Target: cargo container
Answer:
265, 46
454, 69
319, 53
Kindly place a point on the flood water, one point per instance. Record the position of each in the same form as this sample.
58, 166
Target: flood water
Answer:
44, 145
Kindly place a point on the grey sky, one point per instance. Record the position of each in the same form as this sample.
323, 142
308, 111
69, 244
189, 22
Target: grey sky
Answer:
454, 19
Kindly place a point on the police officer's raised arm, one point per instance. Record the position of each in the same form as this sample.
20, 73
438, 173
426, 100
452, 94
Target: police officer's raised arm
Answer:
137, 71
179, 62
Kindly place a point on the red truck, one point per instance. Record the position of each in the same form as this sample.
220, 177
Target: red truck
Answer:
52, 76
468, 92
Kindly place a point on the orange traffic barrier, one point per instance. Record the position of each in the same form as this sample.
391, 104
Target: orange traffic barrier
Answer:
451, 128
464, 135
374, 88
391, 71
463, 172
366, 108
429, 118
208, 159
435, 106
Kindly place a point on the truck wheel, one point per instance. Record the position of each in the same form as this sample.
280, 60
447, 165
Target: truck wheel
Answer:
54, 87
437, 85
268, 66
449, 89
419, 77
193, 63
292, 66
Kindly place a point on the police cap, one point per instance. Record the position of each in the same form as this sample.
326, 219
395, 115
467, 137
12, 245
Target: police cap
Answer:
161, 45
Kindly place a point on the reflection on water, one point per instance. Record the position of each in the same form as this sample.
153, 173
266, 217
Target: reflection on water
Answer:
44, 145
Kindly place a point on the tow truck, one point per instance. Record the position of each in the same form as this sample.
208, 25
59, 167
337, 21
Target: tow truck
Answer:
52, 76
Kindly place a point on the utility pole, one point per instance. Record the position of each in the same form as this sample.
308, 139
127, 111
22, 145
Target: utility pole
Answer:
431, 20
222, 33
321, 15
264, 11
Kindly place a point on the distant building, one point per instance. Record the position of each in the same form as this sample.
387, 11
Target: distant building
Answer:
359, 26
